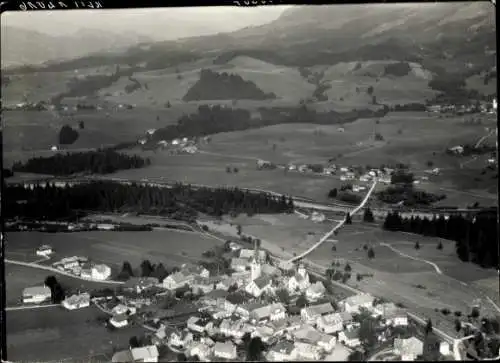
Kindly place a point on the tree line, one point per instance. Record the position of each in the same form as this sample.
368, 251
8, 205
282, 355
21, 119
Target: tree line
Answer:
181, 202
475, 238
94, 162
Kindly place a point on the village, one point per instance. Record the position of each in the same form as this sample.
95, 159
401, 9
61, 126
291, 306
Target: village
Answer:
211, 316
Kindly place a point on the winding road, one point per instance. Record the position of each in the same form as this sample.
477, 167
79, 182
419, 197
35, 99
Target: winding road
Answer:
436, 267
337, 227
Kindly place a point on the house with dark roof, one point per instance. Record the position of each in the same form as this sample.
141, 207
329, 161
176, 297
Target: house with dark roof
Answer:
258, 286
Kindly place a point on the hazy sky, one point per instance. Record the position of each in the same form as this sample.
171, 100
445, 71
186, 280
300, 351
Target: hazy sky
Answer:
159, 24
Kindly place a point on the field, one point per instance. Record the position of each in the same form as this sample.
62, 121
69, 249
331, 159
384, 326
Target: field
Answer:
395, 277
54, 334
476, 82
172, 248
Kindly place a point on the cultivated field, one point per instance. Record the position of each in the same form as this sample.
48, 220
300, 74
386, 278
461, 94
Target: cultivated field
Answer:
172, 248
395, 277
54, 334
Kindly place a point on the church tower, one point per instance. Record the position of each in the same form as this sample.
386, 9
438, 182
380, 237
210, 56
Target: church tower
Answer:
255, 267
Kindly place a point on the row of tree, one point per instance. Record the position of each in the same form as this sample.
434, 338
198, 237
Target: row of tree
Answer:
147, 269
56, 290
409, 195
476, 238
94, 162
179, 202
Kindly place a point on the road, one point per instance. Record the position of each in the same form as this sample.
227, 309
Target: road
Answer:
30, 307
55, 270
436, 267
337, 227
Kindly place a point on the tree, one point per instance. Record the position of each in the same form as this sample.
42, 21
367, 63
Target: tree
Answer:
333, 193
67, 135
181, 357
228, 169
440, 246
235, 170
428, 327
126, 271
283, 296
430, 163
371, 253
274, 147
238, 227
374, 100
367, 333
133, 342
475, 313
368, 216
348, 219
356, 356
81, 125
50, 281
369, 90
146, 268
254, 350
160, 272
417, 245
301, 301
347, 267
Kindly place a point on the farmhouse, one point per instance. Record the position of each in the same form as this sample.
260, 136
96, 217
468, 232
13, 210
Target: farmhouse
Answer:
396, 317
198, 325
201, 285
44, 250
196, 271
270, 312
239, 264
265, 333
457, 149
312, 313
119, 321
408, 349
331, 323
101, 272
181, 339
248, 254
309, 335
259, 286
226, 350
245, 310
353, 303
307, 351
299, 282
145, 354
214, 297
121, 309
36, 294
315, 291
350, 337
139, 284
282, 352
77, 301
201, 350
317, 217
177, 280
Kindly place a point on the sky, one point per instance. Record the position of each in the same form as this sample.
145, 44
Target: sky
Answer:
158, 24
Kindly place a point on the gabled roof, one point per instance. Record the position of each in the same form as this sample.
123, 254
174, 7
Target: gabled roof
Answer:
284, 347
262, 281
410, 345
150, 351
36, 290
268, 310
119, 318
321, 309
122, 356
237, 261
216, 294
318, 287
352, 333
226, 347
359, 299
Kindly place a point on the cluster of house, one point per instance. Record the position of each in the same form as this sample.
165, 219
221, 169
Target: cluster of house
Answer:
81, 266
176, 146
381, 175
484, 107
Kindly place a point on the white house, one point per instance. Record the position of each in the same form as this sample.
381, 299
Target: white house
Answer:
77, 301
248, 254
119, 321
245, 310
350, 337
408, 349
101, 272
175, 142
239, 264
307, 351
226, 350
36, 294
265, 333
317, 217
201, 350
270, 312
145, 354
177, 280
199, 325
312, 313
397, 317
258, 286
329, 324
299, 282
139, 284
444, 348
315, 291
353, 303
122, 309
54, 148
44, 250
283, 351
181, 339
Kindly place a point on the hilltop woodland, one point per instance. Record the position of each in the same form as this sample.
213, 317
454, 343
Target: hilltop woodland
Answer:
179, 202
216, 119
224, 86
94, 162
476, 239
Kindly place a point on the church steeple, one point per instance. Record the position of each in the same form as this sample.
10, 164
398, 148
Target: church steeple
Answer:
255, 267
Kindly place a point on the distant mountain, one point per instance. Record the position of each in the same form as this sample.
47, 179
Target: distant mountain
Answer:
21, 46
444, 37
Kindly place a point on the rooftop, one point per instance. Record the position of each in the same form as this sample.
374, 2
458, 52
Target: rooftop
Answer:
226, 347
321, 309
359, 299
142, 353
36, 290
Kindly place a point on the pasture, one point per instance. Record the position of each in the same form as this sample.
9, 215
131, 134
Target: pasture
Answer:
172, 248
54, 334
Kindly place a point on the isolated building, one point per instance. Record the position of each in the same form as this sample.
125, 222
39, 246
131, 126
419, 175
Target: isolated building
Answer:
119, 321
145, 354
77, 301
44, 250
101, 272
36, 294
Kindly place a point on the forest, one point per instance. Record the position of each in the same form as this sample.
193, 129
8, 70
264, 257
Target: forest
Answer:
211, 120
476, 238
94, 162
181, 202
224, 86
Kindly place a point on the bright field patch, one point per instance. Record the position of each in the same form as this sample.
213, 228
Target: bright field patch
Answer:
172, 248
